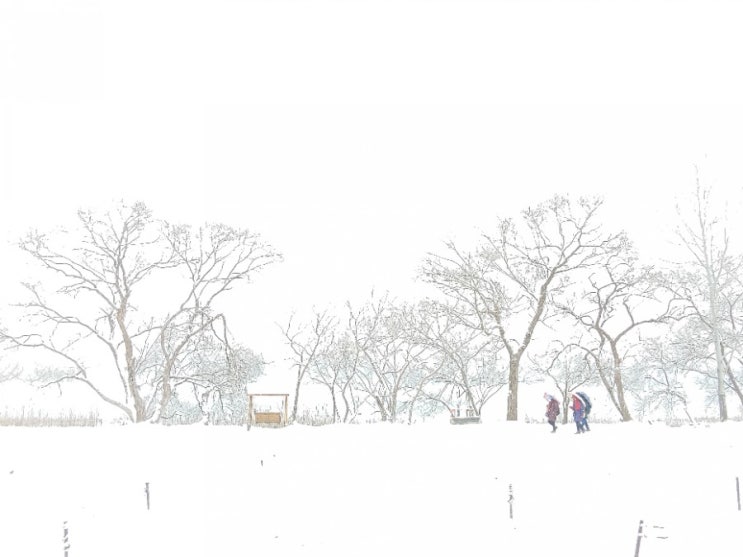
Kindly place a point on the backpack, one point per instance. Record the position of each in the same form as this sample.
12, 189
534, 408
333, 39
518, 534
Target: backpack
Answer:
586, 402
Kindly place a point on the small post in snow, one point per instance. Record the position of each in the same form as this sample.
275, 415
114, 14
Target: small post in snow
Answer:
510, 501
65, 538
737, 490
639, 539
147, 493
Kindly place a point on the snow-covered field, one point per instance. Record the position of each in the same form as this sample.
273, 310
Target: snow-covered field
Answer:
431, 489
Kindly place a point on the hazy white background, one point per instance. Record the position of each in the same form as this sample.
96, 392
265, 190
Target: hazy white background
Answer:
357, 135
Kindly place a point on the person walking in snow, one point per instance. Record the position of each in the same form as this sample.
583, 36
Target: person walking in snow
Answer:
586, 401
577, 408
553, 410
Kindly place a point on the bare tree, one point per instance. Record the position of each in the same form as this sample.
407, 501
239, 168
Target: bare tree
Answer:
507, 283
663, 368
620, 297
397, 358
111, 282
213, 376
389, 354
732, 340
213, 260
714, 270
329, 352
309, 343
467, 362
693, 353
335, 370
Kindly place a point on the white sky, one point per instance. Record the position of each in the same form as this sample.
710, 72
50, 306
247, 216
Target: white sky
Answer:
356, 135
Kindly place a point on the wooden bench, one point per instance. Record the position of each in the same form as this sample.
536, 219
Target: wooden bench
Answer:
268, 418
456, 420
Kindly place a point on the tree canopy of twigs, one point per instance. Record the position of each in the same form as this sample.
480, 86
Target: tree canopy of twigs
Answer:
505, 286
126, 299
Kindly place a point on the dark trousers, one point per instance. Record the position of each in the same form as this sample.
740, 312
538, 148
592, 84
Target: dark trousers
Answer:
579, 421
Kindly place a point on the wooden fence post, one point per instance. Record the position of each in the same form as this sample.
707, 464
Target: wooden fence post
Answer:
65, 538
510, 501
639, 538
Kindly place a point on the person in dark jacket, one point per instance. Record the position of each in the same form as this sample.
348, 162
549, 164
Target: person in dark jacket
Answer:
577, 408
553, 410
586, 409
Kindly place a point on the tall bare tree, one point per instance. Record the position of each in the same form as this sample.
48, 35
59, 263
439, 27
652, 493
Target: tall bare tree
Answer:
390, 353
705, 280
663, 366
693, 341
732, 342
212, 260
508, 281
309, 343
334, 370
467, 362
620, 296
125, 295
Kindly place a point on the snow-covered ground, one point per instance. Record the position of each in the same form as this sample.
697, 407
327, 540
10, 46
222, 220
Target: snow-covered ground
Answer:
431, 489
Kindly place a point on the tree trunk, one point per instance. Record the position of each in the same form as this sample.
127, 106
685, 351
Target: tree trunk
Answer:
623, 410
382, 409
468, 390
139, 410
715, 323
347, 412
393, 407
609, 389
296, 397
513, 389
167, 389
618, 382
336, 413
720, 373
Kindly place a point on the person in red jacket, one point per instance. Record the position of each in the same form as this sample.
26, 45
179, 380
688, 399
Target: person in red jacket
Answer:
553, 410
578, 410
